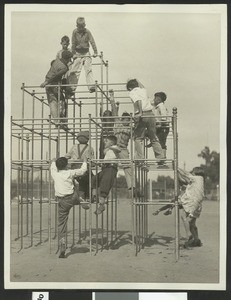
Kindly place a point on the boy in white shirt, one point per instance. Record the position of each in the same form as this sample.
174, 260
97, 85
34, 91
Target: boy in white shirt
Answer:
162, 126
191, 201
65, 195
144, 118
106, 177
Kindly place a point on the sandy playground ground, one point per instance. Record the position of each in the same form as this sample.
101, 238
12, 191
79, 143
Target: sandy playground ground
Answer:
154, 264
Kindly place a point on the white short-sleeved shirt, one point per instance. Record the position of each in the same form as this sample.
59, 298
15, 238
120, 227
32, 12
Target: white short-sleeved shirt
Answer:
109, 154
193, 196
63, 179
141, 94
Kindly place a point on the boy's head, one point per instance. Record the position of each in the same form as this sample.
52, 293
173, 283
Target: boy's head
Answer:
159, 97
61, 163
83, 137
110, 141
80, 23
65, 41
131, 84
198, 171
66, 56
126, 118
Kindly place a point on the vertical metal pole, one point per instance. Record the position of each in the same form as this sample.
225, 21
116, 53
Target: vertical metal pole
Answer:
73, 126
102, 229
22, 157
139, 207
142, 207
107, 220
112, 214
101, 65
80, 127
59, 103
132, 178
32, 173
115, 207
41, 178
49, 207
27, 185
150, 189
11, 162
107, 80
18, 185
136, 213
175, 153
90, 188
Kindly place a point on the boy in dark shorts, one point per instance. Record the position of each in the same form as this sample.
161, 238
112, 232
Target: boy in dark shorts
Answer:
106, 177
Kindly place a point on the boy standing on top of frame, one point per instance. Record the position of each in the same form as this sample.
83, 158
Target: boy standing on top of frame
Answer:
65, 195
144, 118
81, 40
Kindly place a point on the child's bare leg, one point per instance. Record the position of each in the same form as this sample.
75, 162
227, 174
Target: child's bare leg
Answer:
165, 207
186, 224
196, 241
193, 228
101, 206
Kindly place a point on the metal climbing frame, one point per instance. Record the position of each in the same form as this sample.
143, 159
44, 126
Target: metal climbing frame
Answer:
141, 204
36, 138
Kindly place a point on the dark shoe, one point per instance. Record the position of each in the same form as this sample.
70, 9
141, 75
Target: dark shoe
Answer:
162, 165
100, 209
62, 249
155, 213
92, 89
136, 193
189, 242
197, 243
168, 212
83, 203
62, 255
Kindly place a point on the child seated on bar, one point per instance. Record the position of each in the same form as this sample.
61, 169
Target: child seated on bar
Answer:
105, 178
65, 194
79, 152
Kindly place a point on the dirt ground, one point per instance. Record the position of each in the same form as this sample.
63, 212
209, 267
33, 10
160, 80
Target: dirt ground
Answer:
153, 264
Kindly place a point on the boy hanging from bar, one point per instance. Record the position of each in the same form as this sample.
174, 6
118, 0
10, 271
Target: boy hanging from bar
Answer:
190, 200
65, 194
77, 153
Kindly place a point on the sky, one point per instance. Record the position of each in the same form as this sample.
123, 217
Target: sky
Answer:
167, 50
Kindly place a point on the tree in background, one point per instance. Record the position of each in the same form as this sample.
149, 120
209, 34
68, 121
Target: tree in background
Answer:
211, 167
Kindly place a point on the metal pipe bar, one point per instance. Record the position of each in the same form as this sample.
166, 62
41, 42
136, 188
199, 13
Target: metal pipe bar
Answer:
175, 151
